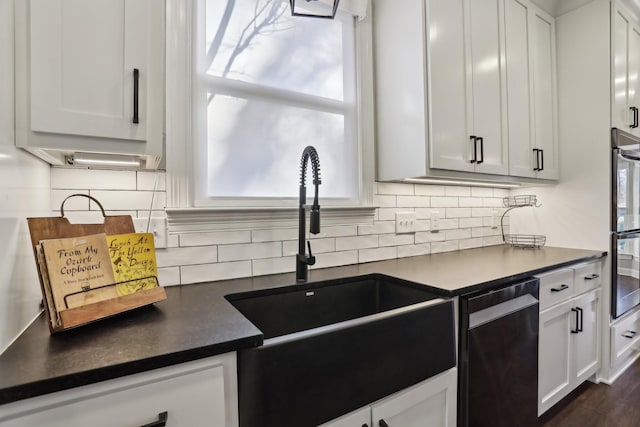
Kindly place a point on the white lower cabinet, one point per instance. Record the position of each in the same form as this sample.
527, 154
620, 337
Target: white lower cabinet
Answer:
430, 403
192, 394
568, 347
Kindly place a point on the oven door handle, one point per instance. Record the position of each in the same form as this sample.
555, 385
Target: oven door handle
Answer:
626, 234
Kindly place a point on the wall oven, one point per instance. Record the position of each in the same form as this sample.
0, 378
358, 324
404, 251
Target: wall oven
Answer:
625, 222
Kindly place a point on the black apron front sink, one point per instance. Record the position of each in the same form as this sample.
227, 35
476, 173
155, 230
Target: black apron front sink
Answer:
333, 347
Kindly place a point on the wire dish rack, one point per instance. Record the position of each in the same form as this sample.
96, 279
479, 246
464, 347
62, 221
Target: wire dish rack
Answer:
527, 241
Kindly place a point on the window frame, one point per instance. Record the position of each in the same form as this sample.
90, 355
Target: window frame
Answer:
184, 212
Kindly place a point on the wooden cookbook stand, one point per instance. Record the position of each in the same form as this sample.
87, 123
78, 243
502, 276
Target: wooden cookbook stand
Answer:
43, 228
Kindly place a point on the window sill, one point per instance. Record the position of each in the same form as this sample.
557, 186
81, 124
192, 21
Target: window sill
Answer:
190, 220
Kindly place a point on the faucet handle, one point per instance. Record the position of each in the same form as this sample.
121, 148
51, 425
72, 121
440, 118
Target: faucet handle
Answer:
311, 259
314, 219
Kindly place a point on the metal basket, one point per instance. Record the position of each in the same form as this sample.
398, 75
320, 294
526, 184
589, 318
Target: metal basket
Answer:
519, 201
525, 240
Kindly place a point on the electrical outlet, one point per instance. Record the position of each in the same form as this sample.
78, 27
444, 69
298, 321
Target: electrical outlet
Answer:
405, 222
157, 226
435, 221
495, 219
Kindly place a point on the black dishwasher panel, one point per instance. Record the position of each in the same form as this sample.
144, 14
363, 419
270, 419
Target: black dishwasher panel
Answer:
499, 357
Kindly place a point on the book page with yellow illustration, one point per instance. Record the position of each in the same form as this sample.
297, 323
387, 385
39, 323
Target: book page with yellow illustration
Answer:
133, 258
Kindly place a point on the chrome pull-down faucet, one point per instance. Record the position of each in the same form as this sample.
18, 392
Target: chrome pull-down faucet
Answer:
302, 260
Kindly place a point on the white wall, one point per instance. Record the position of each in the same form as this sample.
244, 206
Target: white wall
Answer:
24, 191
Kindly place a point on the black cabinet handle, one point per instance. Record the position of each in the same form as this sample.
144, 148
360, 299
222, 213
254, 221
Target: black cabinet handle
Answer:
634, 110
581, 318
162, 420
577, 329
629, 334
481, 139
136, 89
535, 153
541, 159
383, 423
560, 289
591, 276
475, 149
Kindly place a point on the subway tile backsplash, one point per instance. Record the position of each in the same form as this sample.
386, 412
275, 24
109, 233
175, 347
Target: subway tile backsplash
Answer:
466, 219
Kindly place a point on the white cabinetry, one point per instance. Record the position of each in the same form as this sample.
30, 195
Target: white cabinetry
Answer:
569, 340
430, 403
460, 84
198, 393
89, 77
531, 88
625, 91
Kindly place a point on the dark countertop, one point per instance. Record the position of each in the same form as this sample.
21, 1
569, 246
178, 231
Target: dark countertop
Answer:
196, 321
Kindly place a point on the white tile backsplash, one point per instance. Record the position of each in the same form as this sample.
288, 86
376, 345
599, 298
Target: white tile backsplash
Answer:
215, 238
95, 179
359, 242
465, 222
150, 181
265, 266
210, 272
414, 201
175, 257
249, 251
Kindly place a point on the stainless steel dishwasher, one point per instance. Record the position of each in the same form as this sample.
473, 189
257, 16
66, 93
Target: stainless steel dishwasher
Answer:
498, 381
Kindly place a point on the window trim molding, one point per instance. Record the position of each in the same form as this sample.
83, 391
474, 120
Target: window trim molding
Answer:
188, 220
182, 214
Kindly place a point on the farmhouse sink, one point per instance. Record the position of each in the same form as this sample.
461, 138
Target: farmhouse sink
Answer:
335, 346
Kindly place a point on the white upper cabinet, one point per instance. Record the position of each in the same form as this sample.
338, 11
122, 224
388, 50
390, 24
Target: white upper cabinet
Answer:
625, 69
89, 77
465, 71
465, 89
531, 101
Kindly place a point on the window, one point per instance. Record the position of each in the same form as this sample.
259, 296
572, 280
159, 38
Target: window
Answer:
247, 88
266, 85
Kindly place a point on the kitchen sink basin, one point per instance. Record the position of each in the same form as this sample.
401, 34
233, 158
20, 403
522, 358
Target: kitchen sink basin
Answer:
335, 346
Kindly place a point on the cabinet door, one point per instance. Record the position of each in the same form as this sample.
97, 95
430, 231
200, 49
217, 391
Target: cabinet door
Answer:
587, 342
450, 118
633, 78
486, 71
82, 60
620, 80
555, 365
519, 88
428, 404
545, 114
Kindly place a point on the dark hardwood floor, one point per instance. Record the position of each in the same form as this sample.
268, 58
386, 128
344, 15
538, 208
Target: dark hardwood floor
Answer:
600, 405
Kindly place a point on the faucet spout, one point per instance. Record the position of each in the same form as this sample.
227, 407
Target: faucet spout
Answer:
302, 260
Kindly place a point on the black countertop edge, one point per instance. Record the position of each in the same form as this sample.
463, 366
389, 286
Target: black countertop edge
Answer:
504, 281
51, 385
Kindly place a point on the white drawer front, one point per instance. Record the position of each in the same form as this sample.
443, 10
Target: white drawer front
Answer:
625, 337
192, 394
555, 287
587, 277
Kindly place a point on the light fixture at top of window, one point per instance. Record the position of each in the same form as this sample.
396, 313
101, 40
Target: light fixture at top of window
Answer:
311, 8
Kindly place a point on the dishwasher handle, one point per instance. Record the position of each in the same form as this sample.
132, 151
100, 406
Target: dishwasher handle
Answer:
501, 310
